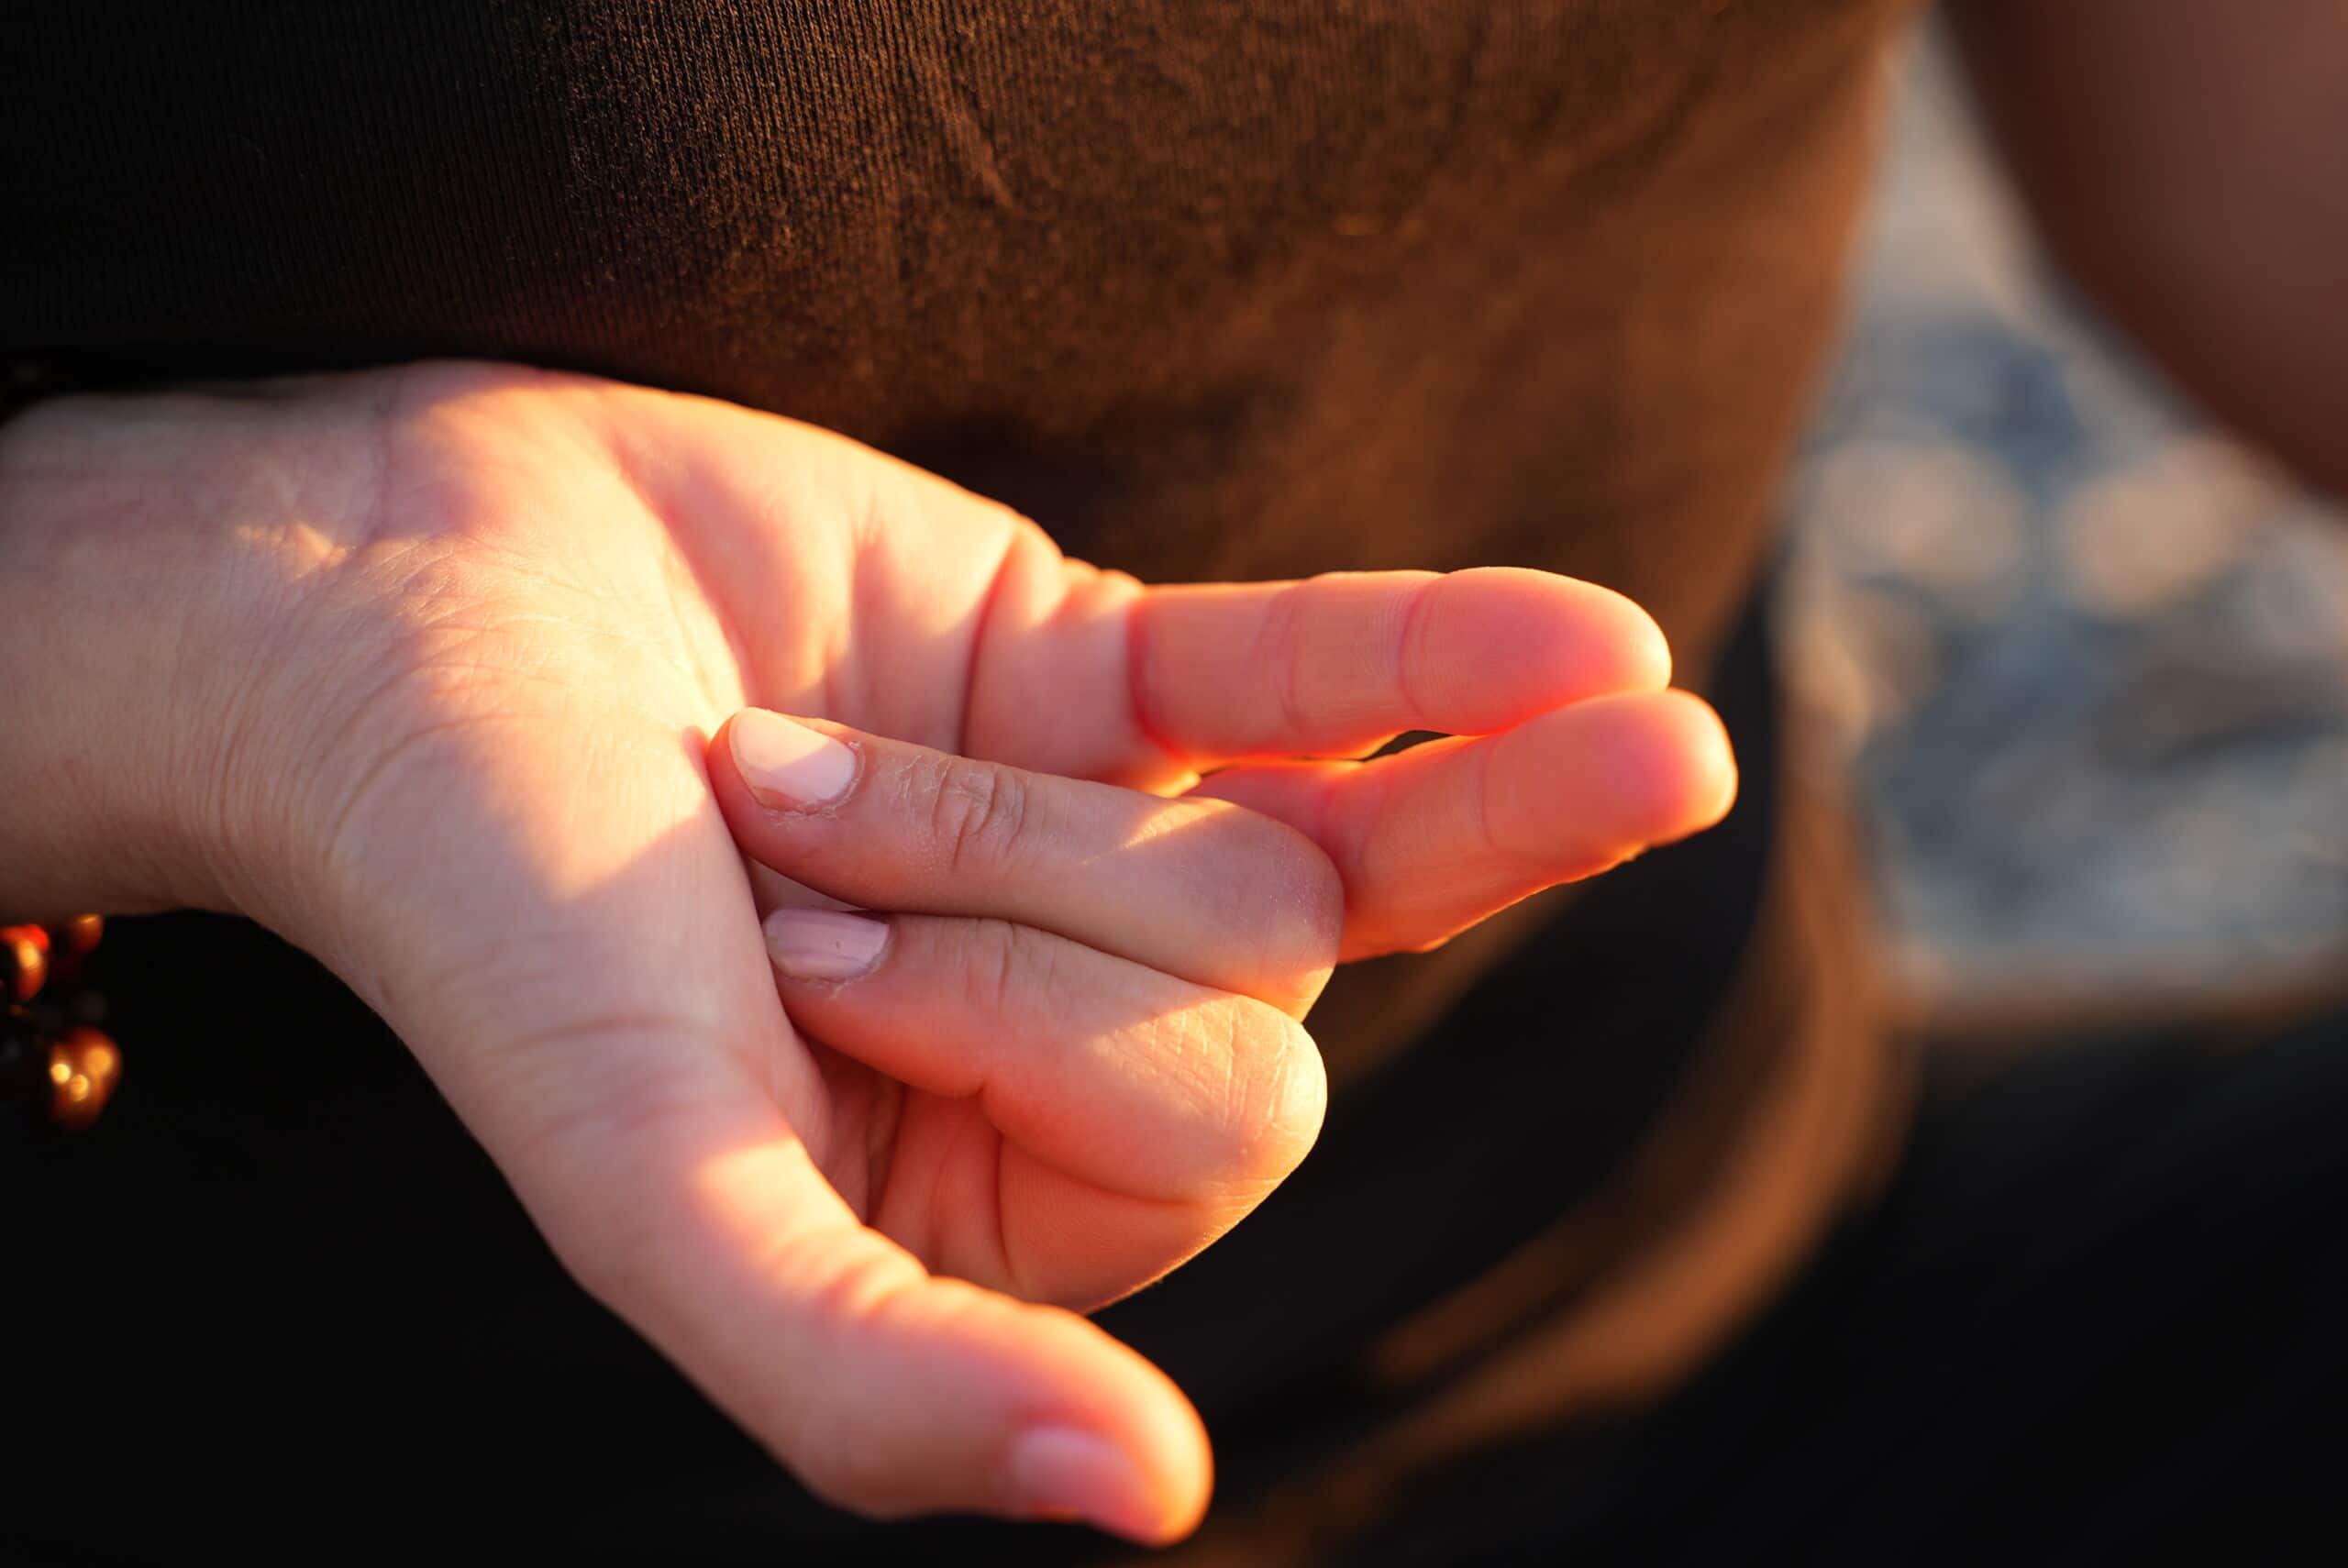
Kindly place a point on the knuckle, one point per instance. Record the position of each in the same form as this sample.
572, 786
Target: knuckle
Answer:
977, 815
999, 960
853, 1459
619, 1257
616, 1264
1284, 631
589, 1109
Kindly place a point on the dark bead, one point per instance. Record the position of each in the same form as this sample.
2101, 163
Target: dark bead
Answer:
25, 1087
81, 934
85, 1065
71, 944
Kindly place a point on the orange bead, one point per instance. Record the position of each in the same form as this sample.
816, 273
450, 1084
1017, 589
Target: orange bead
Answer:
24, 964
85, 1065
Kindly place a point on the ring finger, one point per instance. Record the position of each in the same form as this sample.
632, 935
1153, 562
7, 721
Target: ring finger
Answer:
1130, 1116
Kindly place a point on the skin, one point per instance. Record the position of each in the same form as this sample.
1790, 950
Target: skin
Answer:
449, 674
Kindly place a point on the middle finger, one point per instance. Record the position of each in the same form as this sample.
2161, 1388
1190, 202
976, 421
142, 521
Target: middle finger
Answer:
1200, 888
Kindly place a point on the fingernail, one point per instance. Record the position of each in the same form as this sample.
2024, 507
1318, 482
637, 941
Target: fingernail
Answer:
789, 766
1061, 1473
823, 944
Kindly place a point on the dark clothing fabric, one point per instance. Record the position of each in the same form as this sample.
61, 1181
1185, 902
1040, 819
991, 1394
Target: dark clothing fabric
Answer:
1210, 289
2096, 1320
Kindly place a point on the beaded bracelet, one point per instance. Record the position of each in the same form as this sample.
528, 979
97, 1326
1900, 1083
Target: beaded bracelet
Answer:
57, 1066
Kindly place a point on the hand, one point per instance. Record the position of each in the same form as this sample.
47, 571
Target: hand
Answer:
418, 668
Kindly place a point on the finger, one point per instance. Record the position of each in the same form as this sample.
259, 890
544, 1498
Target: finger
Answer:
1198, 889
1143, 1114
1027, 658
1091, 674
1435, 838
579, 966
1335, 666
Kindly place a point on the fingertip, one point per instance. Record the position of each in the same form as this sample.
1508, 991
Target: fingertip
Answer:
1603, 641
1588, 786
1676, 766
1300, 1102
1133, 1462
1720, 778
1179, 1462
1520, 642
1644, 651
1162, 1432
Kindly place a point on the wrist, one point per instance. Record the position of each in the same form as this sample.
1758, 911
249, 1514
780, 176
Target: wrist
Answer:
138, 649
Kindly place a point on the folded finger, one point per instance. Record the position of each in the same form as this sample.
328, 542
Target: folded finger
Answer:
1139, 1115
1434, 839
1195, 888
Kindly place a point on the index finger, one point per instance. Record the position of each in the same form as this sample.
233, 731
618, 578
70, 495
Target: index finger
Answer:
1337, 665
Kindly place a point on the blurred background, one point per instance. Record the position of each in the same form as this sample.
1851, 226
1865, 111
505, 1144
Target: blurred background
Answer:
2085, 659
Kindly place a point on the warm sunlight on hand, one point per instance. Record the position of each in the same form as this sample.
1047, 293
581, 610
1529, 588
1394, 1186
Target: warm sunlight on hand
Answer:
480, 695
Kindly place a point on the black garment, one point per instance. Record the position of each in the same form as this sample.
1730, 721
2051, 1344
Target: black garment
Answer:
2096, 1319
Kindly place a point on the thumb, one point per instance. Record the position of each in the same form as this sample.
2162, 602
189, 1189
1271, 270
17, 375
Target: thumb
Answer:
888, 1390
576, 959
